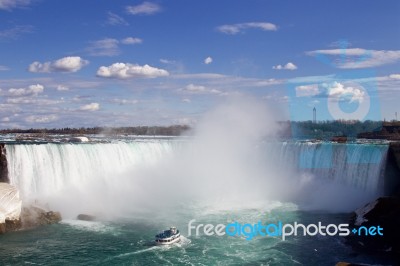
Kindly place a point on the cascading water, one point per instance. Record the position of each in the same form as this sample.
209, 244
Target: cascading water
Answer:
356, 165
44, 169
298, 171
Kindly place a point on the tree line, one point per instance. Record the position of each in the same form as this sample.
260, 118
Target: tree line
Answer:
174, 130
328, 128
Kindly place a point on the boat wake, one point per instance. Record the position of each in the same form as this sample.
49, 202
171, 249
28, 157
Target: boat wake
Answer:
184, 242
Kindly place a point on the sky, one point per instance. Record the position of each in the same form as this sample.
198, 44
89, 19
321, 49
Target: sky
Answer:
129, 63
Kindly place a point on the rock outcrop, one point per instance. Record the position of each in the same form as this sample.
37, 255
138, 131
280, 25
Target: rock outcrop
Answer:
86, 217
33, 216
14, 217
3, 164
383, 212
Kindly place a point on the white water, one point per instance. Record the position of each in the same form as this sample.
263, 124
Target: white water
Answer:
114, 177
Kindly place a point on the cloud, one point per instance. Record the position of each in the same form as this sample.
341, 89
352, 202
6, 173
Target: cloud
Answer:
347, 58
200, 76
104, 47
146, 8
3, 68
341, 92
186, 100
125, 71
266, 82
33, 90
131, 40
114, 19
65, 64
198, 89
41, 119
307, 90
124, 101
11, 4
5, 119
288, 66
69, 64
208, 60
166, 61
40, 102
233, 29
62, 88
110, 46
15, 32
90, 107
394, 76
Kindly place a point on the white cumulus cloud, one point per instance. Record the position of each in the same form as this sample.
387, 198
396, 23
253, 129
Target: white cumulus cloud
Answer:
90, 107
307, 90
394, 76
65, 64
341, 92
32, 90
233, 29
208, 60
288, 66
146, 8
124, 71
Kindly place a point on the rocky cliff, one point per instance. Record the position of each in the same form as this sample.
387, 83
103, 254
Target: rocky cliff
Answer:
3, 164
392, 170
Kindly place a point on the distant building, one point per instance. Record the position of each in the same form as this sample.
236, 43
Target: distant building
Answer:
314, 115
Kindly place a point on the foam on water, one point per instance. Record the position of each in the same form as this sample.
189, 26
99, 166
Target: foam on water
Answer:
93, 226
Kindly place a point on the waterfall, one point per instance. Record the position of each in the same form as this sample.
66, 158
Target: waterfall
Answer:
320, 175
357, 165
44, 169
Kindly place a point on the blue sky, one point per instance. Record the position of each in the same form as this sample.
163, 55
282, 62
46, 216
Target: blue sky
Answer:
119, 63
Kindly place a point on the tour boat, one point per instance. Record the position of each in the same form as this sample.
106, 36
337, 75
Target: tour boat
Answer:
168, 237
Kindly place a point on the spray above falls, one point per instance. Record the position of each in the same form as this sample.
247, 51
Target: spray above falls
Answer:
232, 158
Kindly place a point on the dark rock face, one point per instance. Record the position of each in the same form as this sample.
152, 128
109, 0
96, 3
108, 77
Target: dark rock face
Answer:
86, 217
13, 225
33, 217
10, 226
3, 164
383, 212
50, 218
392, 171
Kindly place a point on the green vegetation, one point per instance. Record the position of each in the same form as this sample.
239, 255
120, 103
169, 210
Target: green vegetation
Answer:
329, 129
174, 130
296, 129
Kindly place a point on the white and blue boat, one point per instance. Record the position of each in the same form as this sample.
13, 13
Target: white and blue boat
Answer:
168, 237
